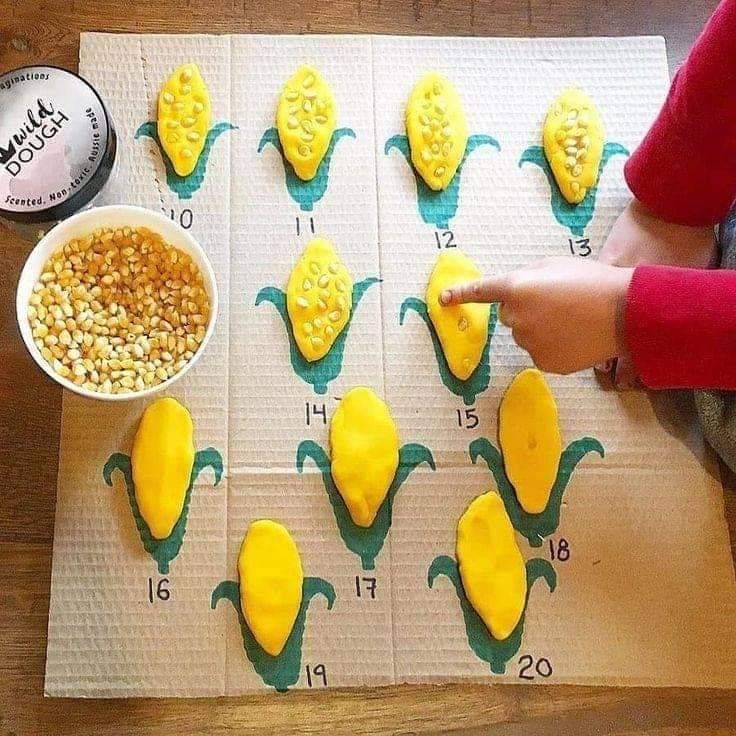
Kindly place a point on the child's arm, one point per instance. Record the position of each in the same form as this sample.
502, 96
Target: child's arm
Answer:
639, 237
684, 175
678, 325
571, 313
684, 171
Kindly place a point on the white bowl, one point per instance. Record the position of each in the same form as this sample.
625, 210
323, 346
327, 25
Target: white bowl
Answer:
82, 224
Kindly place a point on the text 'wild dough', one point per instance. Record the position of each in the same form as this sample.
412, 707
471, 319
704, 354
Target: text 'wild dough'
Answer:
319, 298
462, 328
437, 130
184, 115
305, 120
529, 433
364, 447
271, 577
491, 566
162, 461
573, 143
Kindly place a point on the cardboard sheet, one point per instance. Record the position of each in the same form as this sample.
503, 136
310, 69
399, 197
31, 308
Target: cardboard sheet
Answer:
645, 589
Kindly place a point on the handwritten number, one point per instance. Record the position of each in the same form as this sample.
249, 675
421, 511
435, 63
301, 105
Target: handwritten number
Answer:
467, 418
185, 218
529, 668
314, 674
444, 239
365, 587
560, 550
526, 663
580, 247
160, 591
315, 410
299, 225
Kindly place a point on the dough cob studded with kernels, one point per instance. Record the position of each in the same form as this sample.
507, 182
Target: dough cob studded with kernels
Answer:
319, 297
437, 130
184, 116
573, 143
305, 120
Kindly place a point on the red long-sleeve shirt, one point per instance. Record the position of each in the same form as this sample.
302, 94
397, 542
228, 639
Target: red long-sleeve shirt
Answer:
681, 323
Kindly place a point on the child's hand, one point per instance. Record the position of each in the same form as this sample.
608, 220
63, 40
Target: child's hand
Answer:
567, 313
639, 237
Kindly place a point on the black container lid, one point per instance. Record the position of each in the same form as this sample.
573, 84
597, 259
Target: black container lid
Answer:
57, 144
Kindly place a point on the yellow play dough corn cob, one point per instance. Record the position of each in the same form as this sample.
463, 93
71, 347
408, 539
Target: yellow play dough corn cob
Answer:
305, 119
271, 577
437, 130
162, 460
364, 447
462, 328
319, 297
491, 566
184, 116
529, 433
573, 143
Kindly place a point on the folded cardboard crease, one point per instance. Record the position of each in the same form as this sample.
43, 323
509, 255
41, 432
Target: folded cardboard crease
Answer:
648, 594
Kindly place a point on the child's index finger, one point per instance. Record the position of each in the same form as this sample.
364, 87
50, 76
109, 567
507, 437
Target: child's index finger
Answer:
491, 289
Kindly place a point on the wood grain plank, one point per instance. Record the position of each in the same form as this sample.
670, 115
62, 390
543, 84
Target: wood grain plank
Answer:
24, 580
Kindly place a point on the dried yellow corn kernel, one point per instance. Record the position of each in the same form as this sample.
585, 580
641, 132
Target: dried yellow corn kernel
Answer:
184, 117
305, 119
463, 328
437, 130
573, 139
491, 566
319, 297
271, 577
162, 460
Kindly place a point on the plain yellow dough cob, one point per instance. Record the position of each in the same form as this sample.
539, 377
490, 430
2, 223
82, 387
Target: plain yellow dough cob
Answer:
491, 566
162, 461
462, 328
271, 577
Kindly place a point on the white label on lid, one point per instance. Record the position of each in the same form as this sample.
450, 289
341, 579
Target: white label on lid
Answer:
53, 135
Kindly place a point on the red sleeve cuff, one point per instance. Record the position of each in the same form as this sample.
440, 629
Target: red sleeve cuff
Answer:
681, 327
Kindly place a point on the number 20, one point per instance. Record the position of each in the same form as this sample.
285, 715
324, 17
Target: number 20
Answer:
541, 667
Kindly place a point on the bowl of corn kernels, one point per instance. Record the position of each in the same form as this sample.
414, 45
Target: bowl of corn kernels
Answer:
116, 302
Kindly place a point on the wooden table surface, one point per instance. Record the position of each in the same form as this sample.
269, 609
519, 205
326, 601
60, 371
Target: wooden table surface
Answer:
48, 31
